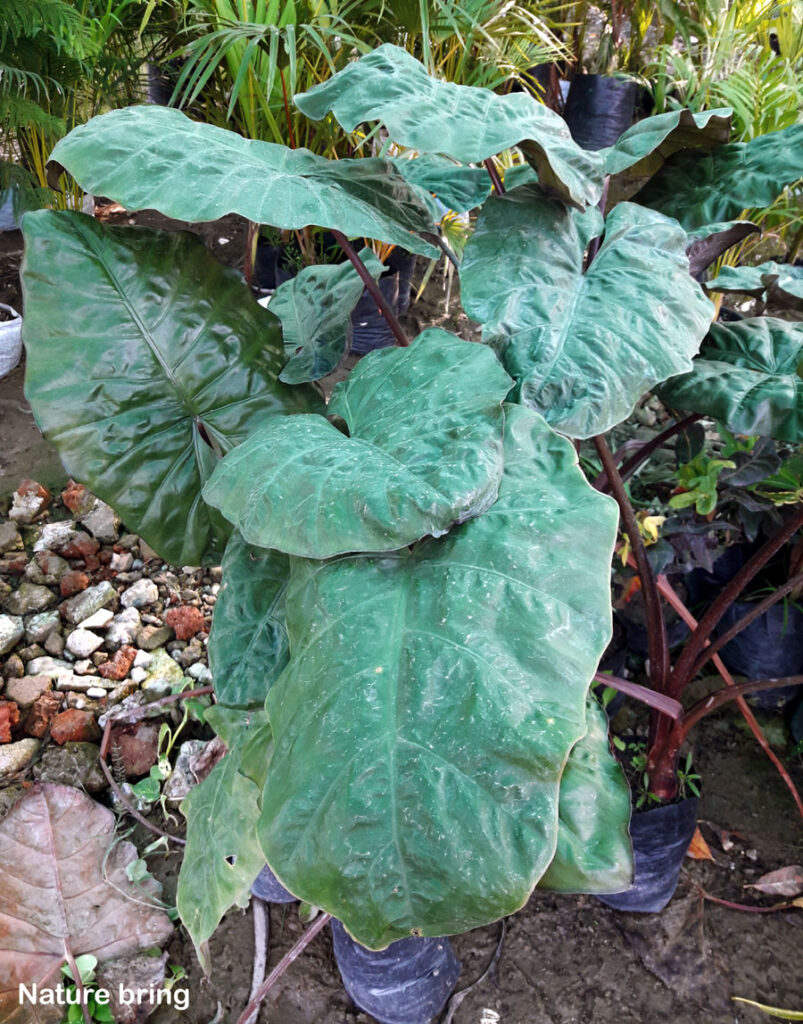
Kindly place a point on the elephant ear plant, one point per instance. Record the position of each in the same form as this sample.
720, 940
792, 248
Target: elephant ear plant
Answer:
416, 579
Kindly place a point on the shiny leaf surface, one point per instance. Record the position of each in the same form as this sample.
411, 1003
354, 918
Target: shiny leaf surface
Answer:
458, 187
707, 244
140, 345
594, 853
222, 856
424, 452
747, 377
583, 347
460, 121
703, 188
432, 697
781, 281
314, 308
248, 641
155, 158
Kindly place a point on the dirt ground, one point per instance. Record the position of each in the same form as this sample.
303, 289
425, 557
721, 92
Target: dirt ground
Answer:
564, 960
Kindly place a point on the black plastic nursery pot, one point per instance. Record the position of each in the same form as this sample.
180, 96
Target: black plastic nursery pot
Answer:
661, 837
407, 983
598, 109
271, 267
267, 887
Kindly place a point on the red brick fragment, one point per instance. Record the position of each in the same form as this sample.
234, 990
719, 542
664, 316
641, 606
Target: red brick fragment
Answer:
9, 717
119, 665
14, 565
186, 620
75, 725
81, 546
77, 498
42, 713
72, 583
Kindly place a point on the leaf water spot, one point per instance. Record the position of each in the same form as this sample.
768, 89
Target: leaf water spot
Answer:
379, 670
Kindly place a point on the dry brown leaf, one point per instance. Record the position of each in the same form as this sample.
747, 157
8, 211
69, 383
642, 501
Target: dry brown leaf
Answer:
54, 896
698, 847
786, 881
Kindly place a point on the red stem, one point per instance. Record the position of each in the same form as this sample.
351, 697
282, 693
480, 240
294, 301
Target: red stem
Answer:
716, 645
714, 701
628, 468
658, 648
493, 174
682, 674
743, 906
373, 289
666, 705
283, 964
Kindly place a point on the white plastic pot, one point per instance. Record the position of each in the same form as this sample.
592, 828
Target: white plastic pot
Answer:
10, 340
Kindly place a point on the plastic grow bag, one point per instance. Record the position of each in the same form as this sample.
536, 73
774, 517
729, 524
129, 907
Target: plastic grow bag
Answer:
267, 887
598, 109
407, 983
770, 647
369, 329
10, 340
660, 837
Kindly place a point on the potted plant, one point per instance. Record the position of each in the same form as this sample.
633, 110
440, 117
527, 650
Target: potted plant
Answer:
416, 591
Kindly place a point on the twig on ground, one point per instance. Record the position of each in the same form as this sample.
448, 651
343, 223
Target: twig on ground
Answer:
261, 939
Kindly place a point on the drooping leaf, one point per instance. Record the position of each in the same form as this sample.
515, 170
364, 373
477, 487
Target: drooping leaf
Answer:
140, 346
787, 881
464, 122
432, 697
642, 150
222, 856
248, 641
594, 854
707, 244
65, 887
704, 188
458, 187
781, 281
314, 308
748, 377
156, 158
583, 347
424, 451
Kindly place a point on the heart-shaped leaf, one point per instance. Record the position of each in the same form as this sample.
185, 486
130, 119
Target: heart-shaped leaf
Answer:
703, 188
424, 452
65, 889
431, 701
782, 282
143, 352
594, 853
747, 377
583, 346
156, 158
248, 641
460, 121
222, 856
314, 308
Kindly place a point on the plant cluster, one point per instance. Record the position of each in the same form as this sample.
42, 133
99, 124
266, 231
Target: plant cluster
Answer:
415, 577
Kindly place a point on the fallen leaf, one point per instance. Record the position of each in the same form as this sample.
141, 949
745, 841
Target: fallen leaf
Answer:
698, 847
773, 1011
64, 888
786, 881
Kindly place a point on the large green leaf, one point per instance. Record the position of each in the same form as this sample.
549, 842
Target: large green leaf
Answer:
594, 853
248, 641
424, 451
703, 188
432, 698
315, 307
460, 121
458, 187
223, 856
140, 347
782, 282
748, 376
641, 151
156, 158
583, 347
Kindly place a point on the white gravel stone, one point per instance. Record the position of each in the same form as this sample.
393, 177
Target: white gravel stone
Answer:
143, 659
101, 522
142, 593
11, 631
96, 692
200, 673
16, 756
138, 674
40, 626
46, 666
100, 620
123, 628
85, 667
55, 536
83, 642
